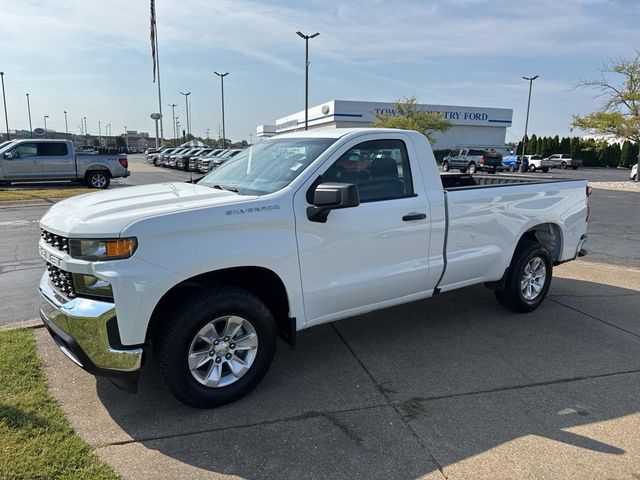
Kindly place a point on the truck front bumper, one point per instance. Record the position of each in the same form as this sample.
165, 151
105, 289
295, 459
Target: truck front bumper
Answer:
83, 329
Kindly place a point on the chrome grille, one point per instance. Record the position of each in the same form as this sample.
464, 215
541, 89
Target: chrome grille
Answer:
61, 280
56, 241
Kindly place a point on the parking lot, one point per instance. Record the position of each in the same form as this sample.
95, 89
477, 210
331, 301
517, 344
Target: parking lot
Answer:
451, 387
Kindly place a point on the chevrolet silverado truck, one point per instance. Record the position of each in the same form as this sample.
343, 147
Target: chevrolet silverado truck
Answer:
40, 160
206, 276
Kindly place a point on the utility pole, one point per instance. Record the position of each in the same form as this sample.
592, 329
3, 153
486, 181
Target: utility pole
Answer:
99, 133
224, 138
45, 125
526, 124
66, 125
173, 120
306, 75
186, 106
4, 100
126, 134
86, 131
29, 110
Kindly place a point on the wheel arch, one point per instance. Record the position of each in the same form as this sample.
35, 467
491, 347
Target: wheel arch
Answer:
261, 281
548, 234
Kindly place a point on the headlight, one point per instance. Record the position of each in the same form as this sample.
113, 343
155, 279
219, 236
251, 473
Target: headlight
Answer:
90, 285
102, 249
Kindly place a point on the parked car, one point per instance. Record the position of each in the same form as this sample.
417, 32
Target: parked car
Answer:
472, 160
633, 175
206, 164
38, 160
208, 274
511, 162
563, 161
166, 159
536, 162
194, 161
156, 158
180, 159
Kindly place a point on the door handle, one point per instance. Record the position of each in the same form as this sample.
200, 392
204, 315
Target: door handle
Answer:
414, 216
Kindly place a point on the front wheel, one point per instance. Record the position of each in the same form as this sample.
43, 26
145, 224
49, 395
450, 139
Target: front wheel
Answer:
532, 168
445, 166
563, 165
98, 179
528, 278
471, 168
545, 170
215, 347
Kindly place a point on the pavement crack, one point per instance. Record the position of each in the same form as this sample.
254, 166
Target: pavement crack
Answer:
411, 402
596, 318
384, 391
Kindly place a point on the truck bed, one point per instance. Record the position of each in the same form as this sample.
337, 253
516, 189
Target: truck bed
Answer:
465, 181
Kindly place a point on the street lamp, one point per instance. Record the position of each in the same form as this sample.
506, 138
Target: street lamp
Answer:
86, 131
526, 123
45, 125
222, 75
306, 75
173, 116
29, 110
186, 106
66, 125
4, 100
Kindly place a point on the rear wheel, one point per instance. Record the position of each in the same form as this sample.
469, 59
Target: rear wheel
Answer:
528, 278
98, 179
445, 166
532, 168
575, 167
471, 168
545, 169
215, 347
512, 168
563, 165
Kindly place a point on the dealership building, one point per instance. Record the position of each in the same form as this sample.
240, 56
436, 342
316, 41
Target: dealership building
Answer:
470, 126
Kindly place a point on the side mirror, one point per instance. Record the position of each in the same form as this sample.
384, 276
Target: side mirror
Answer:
332, 196
8, 155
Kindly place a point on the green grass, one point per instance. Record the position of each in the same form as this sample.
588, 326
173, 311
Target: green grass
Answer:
36, 440
11, 194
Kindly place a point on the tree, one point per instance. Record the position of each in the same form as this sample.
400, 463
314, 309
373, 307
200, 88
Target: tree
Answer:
533, 145
626, 156
574, 147
619, 115
120, 142
409, 116
556, 144
565, 145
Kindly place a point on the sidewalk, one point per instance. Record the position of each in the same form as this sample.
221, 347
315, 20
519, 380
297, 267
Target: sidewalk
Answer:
451, 387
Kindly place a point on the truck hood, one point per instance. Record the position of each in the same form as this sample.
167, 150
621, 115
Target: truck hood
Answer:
104, 214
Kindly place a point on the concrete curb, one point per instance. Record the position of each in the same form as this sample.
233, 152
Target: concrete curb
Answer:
28, 203
35, 323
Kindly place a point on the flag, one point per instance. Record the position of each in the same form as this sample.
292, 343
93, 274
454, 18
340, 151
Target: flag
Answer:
153, 37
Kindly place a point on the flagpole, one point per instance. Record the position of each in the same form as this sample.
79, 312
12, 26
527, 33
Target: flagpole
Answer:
155, 28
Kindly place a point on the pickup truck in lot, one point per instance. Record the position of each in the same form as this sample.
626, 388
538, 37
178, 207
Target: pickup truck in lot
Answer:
563, 161
282, 238
40, 160
472, 160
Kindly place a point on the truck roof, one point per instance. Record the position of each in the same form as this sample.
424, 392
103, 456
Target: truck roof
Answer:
336, 132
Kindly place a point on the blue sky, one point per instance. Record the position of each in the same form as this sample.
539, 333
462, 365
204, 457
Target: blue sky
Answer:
93, 58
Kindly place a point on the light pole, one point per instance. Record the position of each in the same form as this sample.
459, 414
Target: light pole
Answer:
177, 127
4, 100
306, 75
526, 123
173, 116
29, 110
66, 125
99, 134
186, 106
86, 131
126, 134
222, 75
45, 125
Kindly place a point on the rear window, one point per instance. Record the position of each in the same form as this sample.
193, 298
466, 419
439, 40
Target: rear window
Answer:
476, 153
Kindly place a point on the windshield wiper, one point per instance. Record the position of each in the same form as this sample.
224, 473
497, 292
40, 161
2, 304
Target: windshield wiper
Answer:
228, 189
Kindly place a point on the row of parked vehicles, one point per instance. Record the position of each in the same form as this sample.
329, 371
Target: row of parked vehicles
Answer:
192, 159
474, 160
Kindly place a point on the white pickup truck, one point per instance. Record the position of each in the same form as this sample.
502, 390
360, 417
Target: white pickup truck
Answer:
298, 230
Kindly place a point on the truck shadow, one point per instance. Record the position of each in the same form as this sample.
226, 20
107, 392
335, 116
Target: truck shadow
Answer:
406, 391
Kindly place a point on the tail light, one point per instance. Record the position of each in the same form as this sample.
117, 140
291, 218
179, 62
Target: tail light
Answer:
481, 160
589, 192
124, 162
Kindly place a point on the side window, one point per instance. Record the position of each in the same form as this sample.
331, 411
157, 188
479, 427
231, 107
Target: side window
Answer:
476, 153
380, 168
25, 150
52, 149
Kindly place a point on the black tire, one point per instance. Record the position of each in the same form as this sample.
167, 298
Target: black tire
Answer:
98, 179
463, 170
512, 169
445, 166
545, 170
575, 167
492, 170
532, 168
512, 297
183, 322
471, 168
563, 165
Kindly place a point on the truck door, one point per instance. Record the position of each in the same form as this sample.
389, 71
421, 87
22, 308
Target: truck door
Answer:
370, 254
57, 161
22, 162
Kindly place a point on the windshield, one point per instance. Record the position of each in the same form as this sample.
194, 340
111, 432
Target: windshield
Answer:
267, 166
